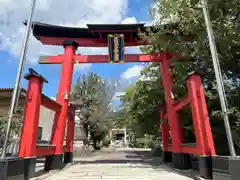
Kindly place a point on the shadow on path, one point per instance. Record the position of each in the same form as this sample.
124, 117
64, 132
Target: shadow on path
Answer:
137, 159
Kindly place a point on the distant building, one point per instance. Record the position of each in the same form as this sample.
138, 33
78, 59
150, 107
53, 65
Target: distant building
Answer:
46, 115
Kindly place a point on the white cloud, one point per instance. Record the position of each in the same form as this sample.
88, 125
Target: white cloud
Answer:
58, 12
79, 67
129, 20
117, 94
132, 72
146, 78
147, 23
132, 50
171, 18
53, 98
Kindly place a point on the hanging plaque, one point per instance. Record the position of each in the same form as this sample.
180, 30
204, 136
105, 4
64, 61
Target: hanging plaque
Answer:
116, 48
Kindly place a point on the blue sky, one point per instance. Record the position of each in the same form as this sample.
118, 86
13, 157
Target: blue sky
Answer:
79, 14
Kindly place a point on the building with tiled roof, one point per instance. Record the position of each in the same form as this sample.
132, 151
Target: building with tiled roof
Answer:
46, 115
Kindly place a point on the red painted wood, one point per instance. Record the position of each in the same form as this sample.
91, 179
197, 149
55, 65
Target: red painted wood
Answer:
103, 58
165, 116
127, 58
44, 151
64, 89
70, 130
51, 104
165, 136
69, 58
83, 42
172, 116
65, 149
31, 118
185, 148
200, 115
192, 92
115, 31
206, 123
164, 130
182, 103
188, 149
169, 148
54, 126
58, 59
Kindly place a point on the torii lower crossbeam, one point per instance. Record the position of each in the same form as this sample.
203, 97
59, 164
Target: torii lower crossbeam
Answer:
130, 58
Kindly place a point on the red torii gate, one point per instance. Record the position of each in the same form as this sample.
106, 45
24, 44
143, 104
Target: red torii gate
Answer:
96, 36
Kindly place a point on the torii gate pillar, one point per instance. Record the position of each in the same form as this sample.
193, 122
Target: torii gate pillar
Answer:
63, 98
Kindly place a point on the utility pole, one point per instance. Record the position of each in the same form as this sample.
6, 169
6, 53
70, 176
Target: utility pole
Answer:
218, 75
22, 63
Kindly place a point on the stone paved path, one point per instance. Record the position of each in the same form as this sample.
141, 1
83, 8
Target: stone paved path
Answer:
128, 164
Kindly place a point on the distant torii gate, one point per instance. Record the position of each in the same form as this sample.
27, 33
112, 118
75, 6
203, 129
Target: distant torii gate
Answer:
96, 36
124, 130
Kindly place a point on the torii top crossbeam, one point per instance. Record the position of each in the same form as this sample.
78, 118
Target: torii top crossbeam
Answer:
95, 35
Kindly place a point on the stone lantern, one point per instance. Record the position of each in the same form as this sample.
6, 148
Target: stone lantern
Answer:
82, 114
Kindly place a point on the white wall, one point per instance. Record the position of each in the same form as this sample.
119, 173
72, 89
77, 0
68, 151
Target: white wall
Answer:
46, 122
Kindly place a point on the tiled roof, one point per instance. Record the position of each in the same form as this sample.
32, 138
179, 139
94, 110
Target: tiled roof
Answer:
10, 90
23, 91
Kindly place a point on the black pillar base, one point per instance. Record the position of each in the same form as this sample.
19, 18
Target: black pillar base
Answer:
220, 168
205, 166
226, 168
234, 167
181, 161
68, 157
167, 156
53, 162
29, 167
12, 168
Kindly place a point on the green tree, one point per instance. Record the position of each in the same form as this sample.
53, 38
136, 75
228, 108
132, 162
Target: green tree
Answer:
95, 94
140, 104
185, 33
16, 124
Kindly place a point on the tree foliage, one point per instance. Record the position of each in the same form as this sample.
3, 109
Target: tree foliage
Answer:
140, 104
186, 33
179, 27
16, 123
95, 93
